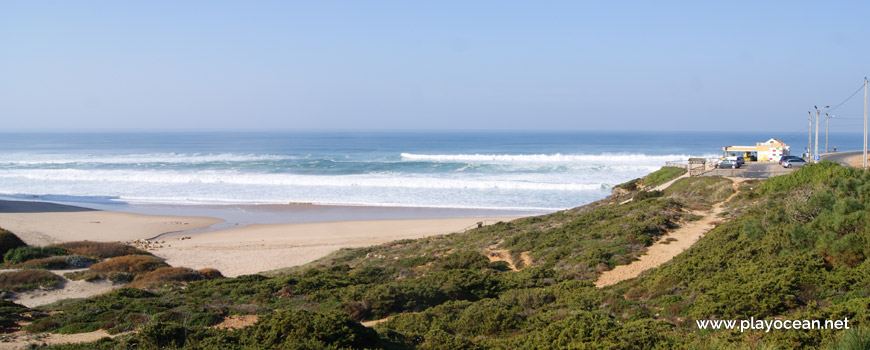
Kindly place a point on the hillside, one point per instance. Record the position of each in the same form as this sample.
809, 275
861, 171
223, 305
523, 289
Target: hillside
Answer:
791, 247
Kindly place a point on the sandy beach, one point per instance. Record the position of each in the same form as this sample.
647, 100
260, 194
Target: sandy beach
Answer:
256, 248
40, 223
235, 251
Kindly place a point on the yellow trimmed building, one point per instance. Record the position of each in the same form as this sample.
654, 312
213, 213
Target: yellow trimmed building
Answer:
770, 151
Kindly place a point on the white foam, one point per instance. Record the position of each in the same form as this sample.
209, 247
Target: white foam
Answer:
176, 158
599, 159
382, 180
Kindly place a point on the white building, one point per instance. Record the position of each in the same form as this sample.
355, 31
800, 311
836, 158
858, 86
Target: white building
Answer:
770, 151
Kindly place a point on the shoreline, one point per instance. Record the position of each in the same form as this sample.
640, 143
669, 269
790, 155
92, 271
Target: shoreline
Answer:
44, 223
236, 248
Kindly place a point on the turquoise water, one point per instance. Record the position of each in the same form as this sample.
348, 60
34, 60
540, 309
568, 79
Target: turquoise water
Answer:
501, 170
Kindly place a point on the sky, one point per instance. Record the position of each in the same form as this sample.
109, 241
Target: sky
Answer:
431, 65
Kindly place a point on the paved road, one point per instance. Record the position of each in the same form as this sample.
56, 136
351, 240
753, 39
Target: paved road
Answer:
755, 170
841, 157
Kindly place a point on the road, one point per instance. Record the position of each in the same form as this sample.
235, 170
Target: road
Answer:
755, 170
841, 157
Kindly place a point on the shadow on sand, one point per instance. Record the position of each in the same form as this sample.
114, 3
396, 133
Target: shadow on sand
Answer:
38, 207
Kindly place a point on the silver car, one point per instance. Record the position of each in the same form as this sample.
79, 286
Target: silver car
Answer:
793, 163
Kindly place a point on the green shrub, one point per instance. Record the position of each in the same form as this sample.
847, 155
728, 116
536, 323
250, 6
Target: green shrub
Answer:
163, 335
665, 174
465, 259
9, 241
647, 194
807, 176
298, 329
22, 254
856, 338
11, 312
631, 185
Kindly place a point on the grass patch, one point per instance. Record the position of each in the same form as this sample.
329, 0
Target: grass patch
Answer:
700, 193
665, 174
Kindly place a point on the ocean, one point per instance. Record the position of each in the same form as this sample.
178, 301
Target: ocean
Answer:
527, 171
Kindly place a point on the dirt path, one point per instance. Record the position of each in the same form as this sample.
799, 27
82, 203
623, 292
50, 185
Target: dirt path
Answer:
665, 185
668, 246
70, 290
237, 321
21, 340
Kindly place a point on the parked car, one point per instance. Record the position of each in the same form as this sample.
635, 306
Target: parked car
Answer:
794, 163
727, 164
783, 159
741, 160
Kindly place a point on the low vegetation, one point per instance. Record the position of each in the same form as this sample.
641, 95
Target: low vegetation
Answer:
22, 254
101, 250
55, 263
788, 248
9, 241
24, 280
653, 179
166, 275
120, 269
662, 176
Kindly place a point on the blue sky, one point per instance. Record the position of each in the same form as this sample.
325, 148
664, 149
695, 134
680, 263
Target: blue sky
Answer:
467, 65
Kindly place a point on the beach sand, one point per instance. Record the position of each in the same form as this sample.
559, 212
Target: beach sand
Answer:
256, 248
235, 251
40, 223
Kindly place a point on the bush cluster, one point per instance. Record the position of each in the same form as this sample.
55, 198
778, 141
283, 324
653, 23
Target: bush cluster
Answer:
24, 280
22, 254
9, 241
101, 250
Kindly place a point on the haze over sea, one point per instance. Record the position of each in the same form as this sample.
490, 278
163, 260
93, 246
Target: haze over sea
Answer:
528, 171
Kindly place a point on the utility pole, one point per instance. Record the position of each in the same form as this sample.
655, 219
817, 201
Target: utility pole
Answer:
810, 140
864, 159
827, 129
816, 150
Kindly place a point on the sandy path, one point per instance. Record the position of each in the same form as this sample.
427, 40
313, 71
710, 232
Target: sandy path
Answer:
665, 185
667, 247
22, 340
71, 289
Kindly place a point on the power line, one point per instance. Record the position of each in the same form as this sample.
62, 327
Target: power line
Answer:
847, 99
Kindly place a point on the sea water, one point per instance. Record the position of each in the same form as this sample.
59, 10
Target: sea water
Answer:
532, 171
